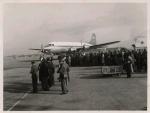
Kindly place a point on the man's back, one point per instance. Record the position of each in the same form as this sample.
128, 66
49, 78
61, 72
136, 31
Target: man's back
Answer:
64, 69
43, 69
51, 67
34, 69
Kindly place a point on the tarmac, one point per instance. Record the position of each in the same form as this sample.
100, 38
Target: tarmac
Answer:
88, 90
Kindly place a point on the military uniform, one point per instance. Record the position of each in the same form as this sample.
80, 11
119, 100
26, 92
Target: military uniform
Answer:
34, 77
64, 71
128, 67
68, 60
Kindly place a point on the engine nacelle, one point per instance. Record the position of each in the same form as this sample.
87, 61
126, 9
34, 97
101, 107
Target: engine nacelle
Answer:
72, 49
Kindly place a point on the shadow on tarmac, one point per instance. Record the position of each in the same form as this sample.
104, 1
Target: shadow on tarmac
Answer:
47, 92
51, 91
20, 87
17, 87
31, 107
41, 108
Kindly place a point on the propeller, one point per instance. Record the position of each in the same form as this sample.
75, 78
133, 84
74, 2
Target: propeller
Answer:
81, 42
42, 48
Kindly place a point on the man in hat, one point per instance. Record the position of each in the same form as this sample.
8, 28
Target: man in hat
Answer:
128, 65
43, 74
68, 60
63, 71
33, 71
51, 71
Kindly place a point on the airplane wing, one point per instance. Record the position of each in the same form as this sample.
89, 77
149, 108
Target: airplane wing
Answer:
39, 49
103, 45
34, 49
28, 60
46, 51
35, 60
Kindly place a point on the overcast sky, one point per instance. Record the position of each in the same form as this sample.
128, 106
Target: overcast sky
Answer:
27, 25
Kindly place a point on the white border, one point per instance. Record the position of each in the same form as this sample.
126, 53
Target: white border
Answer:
1, 57
70, 1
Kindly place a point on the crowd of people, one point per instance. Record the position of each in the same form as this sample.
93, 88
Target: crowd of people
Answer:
111, 58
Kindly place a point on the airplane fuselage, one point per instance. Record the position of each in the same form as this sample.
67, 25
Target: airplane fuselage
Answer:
58, 47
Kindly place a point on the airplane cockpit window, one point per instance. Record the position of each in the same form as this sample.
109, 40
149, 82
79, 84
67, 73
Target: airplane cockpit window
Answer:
51, 44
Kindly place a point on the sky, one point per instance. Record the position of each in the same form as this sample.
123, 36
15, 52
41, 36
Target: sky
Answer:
28, 25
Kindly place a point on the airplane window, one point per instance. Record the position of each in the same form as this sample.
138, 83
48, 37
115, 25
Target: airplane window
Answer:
51, 44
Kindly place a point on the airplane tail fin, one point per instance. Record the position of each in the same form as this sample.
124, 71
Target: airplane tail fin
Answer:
93, 39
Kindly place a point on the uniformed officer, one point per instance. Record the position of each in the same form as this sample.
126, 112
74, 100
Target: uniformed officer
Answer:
128, 66
33, 71
63, 71
68, 60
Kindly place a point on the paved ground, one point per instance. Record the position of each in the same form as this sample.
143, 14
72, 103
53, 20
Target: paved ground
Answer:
88, 90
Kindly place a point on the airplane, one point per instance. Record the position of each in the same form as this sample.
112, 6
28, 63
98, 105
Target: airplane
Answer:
54, 49
64, 47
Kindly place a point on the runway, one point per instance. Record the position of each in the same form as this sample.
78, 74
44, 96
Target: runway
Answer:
88, 90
